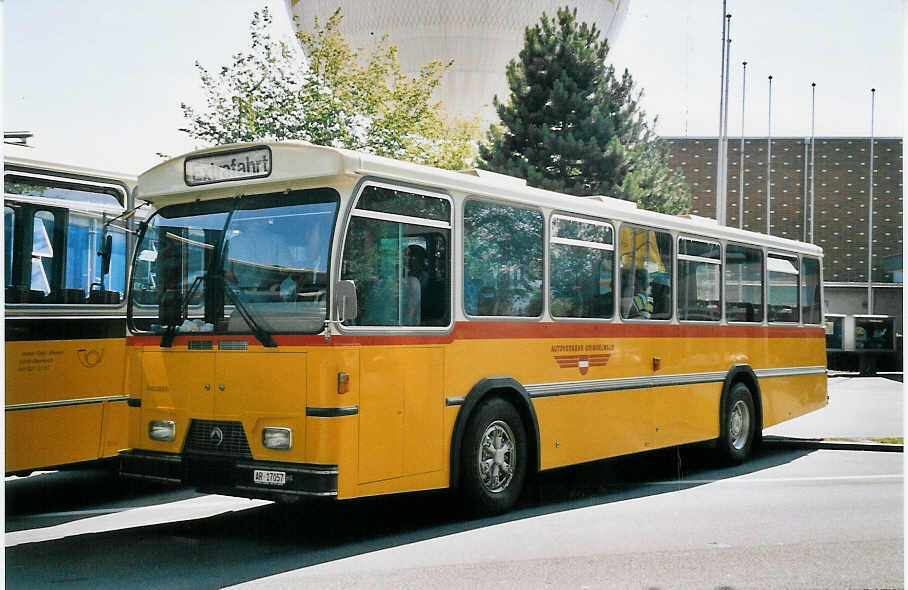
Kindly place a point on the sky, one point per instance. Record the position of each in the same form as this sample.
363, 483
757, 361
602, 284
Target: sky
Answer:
100, 82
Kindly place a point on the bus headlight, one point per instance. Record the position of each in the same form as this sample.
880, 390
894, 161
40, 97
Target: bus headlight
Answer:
277, 438
164, 430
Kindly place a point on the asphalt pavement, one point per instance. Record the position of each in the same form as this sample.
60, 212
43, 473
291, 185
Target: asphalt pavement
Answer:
861, 411
825, 511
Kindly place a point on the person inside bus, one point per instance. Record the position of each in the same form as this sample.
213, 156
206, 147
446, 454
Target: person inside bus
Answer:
313, 256
661, 300
640, 304
256, 253
411, 286
374, 276
434, 299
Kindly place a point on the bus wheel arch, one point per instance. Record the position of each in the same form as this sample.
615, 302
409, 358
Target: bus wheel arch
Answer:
738, 376
512, 392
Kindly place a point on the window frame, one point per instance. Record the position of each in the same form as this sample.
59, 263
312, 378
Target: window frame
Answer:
672, 273
720, 262
552, 239
351, 212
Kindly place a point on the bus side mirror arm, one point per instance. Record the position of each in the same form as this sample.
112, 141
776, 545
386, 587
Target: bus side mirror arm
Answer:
346, 306
105, 254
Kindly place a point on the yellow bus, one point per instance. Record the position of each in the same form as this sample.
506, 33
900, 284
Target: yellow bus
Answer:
308, 321
65, 318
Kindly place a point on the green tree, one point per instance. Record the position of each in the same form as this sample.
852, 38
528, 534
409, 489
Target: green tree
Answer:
571, 125
330, 95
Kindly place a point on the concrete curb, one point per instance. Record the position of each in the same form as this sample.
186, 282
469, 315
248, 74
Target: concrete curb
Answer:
819, 443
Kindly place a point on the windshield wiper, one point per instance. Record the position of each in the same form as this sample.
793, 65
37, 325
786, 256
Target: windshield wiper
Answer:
257, 330
216, 272
214, 276
183, 312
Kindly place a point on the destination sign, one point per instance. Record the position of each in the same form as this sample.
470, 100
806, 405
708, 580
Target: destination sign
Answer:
224, 166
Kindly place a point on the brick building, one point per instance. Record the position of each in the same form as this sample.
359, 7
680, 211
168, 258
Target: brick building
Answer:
841, 189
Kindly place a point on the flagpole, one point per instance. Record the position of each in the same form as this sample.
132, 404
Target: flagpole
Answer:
813, 150
768, 161
804, 206
870, 213
721, 112
741, 169
724, 200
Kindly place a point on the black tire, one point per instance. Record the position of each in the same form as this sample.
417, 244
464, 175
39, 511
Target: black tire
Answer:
493, 477
737, 426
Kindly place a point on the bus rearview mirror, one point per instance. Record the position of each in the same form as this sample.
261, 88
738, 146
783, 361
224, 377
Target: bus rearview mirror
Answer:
345, 296
105, 253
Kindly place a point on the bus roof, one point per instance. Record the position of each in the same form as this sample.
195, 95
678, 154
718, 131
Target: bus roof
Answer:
16, 163
296, 162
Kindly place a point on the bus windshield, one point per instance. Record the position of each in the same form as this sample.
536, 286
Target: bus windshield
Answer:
254, 264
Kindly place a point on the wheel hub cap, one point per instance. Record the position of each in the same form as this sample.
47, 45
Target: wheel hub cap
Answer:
497, 457
739, 425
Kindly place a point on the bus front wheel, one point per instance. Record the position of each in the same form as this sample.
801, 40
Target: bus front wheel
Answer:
494, 458
738, 425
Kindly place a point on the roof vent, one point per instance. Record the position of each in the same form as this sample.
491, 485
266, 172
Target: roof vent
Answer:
494, 177
613, 202
698, 218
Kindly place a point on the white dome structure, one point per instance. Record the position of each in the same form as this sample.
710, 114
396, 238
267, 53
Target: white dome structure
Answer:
480, 36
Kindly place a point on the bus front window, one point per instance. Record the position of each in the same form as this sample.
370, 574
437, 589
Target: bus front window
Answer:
236, 265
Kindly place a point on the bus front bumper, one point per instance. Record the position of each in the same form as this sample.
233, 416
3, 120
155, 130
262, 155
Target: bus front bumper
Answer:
231, 475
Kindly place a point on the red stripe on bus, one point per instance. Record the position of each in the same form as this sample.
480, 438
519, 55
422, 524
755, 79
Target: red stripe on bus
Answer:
478, 330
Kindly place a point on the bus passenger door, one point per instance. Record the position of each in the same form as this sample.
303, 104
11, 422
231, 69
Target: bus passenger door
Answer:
400, 413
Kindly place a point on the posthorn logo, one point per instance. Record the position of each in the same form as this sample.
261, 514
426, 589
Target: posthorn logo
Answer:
90, 358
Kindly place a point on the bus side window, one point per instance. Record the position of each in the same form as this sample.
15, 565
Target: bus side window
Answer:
646, 273
699, 277
83, 265
401, 269
582, 258
503, 253
810, 291
743, 284
783, 288
44, 255
51, 251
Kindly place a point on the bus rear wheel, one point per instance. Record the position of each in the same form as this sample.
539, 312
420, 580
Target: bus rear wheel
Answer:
494, 458
738, 425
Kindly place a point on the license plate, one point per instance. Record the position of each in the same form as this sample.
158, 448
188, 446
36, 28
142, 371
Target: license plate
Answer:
269, 478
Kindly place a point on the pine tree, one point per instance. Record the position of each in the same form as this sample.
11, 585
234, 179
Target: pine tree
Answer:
571, 125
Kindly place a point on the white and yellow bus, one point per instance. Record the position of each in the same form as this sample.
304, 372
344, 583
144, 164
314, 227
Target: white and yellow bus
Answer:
65, 317
313, 321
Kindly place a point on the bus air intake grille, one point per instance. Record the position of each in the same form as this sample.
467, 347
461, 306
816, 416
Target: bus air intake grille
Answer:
233, 345
209, 437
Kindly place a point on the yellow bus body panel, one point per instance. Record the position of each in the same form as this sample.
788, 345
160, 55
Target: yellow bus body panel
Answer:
63, 376
398, 437
401, 412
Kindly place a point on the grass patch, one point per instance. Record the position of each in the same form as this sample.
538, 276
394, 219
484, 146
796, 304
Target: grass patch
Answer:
886, 440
